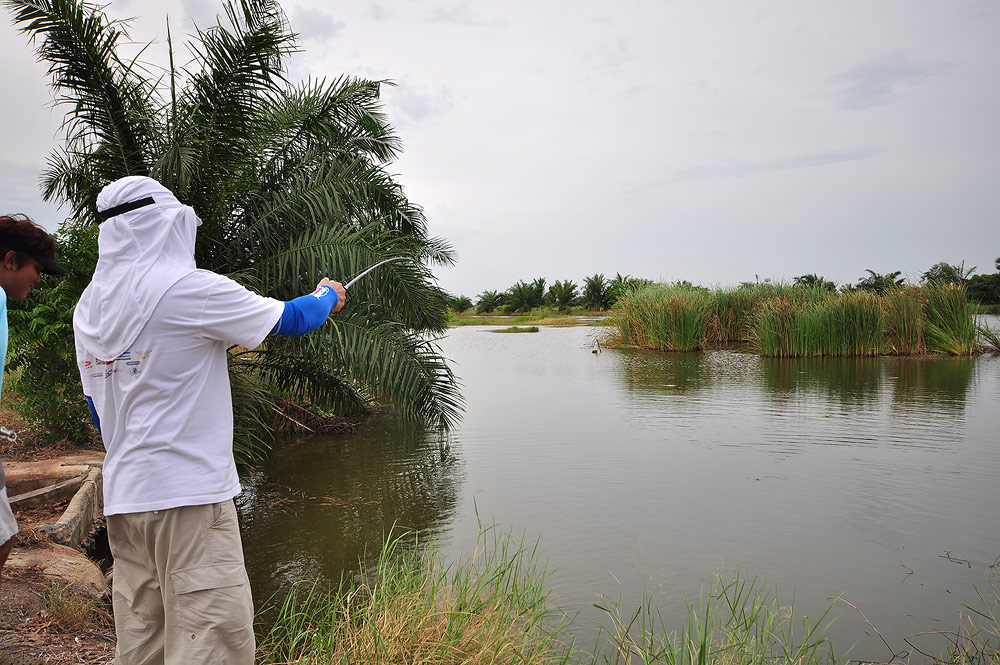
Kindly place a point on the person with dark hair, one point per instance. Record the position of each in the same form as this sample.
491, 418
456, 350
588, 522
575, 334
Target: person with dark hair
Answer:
152, 333
26, 251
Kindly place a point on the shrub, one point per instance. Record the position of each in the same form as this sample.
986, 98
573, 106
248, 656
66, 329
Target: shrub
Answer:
42, 350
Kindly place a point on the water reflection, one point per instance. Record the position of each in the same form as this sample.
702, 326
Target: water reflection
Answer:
848, 382
943, 382
320, 503
654, 372
851, 382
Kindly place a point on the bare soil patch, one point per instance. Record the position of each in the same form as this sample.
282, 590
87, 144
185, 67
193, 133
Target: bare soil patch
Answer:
40, 623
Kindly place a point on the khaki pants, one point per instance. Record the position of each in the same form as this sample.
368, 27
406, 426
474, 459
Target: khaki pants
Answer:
181, 593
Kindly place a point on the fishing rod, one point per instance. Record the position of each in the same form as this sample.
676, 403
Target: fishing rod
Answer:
365, 272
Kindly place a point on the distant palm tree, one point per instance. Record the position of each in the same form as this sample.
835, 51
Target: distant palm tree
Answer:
880, 283
814, 281
460, 303
562, 294
948, 273
524, 296
290, 182
595, 292
621, 285
488, 301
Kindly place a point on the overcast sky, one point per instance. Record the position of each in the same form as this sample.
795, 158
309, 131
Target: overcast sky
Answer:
706, 141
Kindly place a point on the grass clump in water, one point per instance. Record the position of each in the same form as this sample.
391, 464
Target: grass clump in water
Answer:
517, 329
990, 338
795, 321
736, 622
949, 321
904, 325
785, 329
661, 317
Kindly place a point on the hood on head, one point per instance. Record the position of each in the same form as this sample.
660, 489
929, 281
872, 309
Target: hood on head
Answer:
144, 248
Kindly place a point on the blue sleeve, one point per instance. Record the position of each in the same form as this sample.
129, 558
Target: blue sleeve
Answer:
93, 413
306, 313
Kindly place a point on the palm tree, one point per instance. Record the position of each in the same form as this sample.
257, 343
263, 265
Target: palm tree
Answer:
290, 182
624, 284
563, 294
523, 296
488, 301
947, 273
595, 292
880, 283
814, 281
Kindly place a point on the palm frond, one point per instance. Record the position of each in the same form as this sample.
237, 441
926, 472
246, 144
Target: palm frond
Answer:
253, 401
111, 102
239, 69
402, 291
293, 370
397, 367
344, 117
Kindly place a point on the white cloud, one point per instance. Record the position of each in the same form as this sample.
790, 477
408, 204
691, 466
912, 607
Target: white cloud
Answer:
315, 23
878, 80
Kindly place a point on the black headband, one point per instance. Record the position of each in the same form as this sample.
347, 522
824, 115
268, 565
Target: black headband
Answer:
104, 215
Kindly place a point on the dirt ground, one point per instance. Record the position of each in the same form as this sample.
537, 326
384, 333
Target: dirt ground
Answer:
40, 624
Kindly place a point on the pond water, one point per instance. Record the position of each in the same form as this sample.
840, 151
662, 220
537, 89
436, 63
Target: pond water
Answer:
877, 480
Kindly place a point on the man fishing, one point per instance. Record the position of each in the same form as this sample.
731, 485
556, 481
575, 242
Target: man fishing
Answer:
26, 251
152, 332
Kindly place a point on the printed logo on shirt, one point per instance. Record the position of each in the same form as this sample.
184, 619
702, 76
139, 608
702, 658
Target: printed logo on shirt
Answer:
320, 291
132, 359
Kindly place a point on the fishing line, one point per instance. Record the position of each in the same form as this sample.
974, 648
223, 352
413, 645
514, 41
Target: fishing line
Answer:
398, 258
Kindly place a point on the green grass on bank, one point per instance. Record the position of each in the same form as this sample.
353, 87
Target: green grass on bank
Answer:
980, 308
413, 608
542, 316
494, 607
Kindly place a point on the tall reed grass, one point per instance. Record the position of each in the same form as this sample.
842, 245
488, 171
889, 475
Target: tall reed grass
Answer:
949, 320
904, 322
854, 324
793, 321
990, 338
733, 310
661, 317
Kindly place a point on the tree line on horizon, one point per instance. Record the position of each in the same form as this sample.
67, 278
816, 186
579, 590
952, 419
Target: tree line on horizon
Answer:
599, 293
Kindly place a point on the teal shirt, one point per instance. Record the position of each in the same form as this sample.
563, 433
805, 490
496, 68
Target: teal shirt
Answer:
3, 334
3, 353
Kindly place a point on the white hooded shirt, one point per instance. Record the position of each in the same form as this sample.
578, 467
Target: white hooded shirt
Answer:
151, 338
